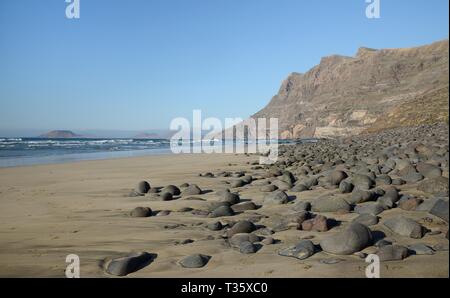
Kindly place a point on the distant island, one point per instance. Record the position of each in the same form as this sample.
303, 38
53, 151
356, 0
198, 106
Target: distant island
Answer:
60, 134
146, 135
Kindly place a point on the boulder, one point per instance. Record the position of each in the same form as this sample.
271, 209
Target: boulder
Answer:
352, 239
405, 227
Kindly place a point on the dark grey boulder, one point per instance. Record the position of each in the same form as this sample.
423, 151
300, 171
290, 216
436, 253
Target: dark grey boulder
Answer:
246, 247
436, 186
336, 177
215, 226
268, 188
302, 206
302, 250
243, 226
172, 189
421, 249
282, 185
371, 208
440, 209
412, 177
363, 182
141, 212
165, 196
230, 198
299, 188
241, 207
129, 264
220, 211
195, 261
191, 190
143, 187
382, 242
237, 239
367, 219
427, 204
346, 187
398, 181
353, 238
330, 204
308, 182
429, 170
360, 196
388, 253
405, 227
237, 183
276, 198
383, 180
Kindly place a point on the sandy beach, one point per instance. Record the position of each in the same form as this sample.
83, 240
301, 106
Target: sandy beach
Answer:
50, 211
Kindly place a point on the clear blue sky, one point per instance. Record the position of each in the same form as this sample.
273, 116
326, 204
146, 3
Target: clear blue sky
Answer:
136, 64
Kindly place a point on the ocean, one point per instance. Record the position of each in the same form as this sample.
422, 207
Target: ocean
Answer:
30, 151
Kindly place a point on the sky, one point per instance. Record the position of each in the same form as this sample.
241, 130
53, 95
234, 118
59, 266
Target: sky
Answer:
137, 64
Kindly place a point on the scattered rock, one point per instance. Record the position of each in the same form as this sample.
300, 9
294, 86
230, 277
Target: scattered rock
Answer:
268, 188
436, 186
440, 209
141, 212
421, 249
172, 189
192, 190
367, 219
276, 198
143, 187
302, 250
392, 253
354, 238
129, 264
371, 208
247, 247
215, 226
330, 204
241, 207
243, 226
222, 211
302, 206
195, 261
405, 227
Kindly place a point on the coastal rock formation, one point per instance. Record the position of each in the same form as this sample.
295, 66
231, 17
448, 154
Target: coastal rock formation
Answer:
372, 91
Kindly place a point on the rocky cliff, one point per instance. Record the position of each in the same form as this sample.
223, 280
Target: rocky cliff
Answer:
375, 90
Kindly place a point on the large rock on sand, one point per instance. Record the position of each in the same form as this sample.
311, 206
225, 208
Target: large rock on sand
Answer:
405, 227
354, 238
336, 177
191, 190
302, 250
276, 198
172, 189
330, 204
195, 261
126, 265
243, 226
388, 253
429, 170
142, 187
436, 186
440, 209
141, 212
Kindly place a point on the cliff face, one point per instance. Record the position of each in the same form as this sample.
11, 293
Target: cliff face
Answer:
375, 90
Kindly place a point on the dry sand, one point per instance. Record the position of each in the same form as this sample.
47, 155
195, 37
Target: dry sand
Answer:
50, 211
